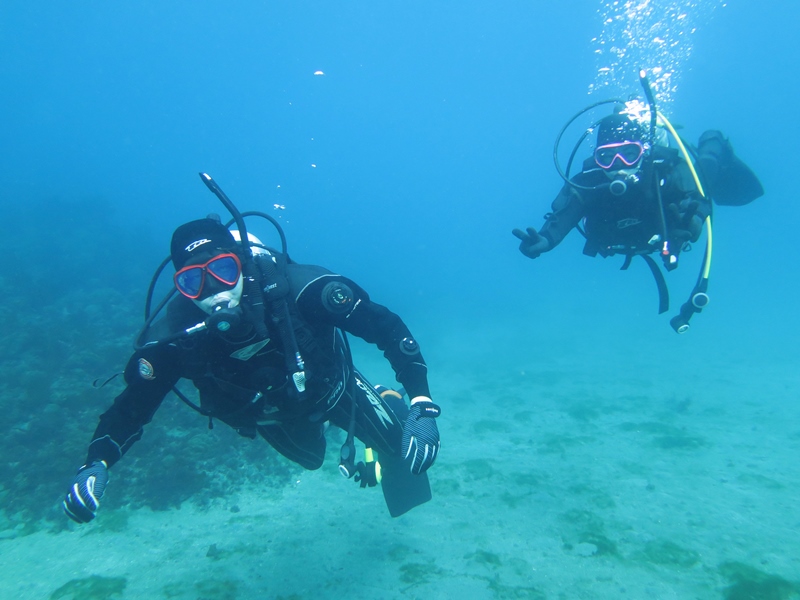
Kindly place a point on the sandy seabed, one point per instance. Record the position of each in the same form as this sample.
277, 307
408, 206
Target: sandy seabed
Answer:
609, 481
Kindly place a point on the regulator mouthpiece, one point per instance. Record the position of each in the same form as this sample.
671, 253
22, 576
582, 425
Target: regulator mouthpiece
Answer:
618, 187
225, 320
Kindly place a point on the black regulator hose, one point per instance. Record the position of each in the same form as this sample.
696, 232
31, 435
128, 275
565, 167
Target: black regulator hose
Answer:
256, 213
151, 289
565, 176
276, 291
666, 253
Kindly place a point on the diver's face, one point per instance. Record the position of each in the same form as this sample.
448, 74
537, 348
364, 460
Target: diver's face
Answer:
631, 175
210, 280
228, 298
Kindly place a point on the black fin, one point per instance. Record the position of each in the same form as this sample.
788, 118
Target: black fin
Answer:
736, 185
401, 489
730, 182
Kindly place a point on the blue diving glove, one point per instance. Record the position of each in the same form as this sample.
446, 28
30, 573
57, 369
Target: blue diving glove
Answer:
87, 489
421, 435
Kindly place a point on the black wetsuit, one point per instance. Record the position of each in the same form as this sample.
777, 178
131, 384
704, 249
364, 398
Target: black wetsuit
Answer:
244, 382
626, 224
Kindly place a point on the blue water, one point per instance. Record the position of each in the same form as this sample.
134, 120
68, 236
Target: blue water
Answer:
398, 144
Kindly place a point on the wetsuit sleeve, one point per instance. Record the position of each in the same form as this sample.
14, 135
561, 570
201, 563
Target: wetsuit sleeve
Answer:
338, 301
567, 212
149, 375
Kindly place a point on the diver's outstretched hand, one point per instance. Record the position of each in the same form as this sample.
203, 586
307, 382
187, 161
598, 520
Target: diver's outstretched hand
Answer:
83, 497
531, 243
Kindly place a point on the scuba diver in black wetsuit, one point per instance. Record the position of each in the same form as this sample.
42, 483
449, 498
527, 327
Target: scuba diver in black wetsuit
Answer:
263, 340
637, 195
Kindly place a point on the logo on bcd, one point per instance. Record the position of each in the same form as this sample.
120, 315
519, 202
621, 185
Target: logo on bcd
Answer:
146, 370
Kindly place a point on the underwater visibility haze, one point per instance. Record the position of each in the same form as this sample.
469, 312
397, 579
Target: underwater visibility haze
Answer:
588, 451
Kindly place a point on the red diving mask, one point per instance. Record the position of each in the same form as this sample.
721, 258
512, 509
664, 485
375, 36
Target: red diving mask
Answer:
191, 279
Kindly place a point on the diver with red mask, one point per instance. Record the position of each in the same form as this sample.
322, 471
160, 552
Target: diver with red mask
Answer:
264, 341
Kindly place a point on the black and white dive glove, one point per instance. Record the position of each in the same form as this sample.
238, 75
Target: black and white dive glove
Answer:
87, 489
421, 435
